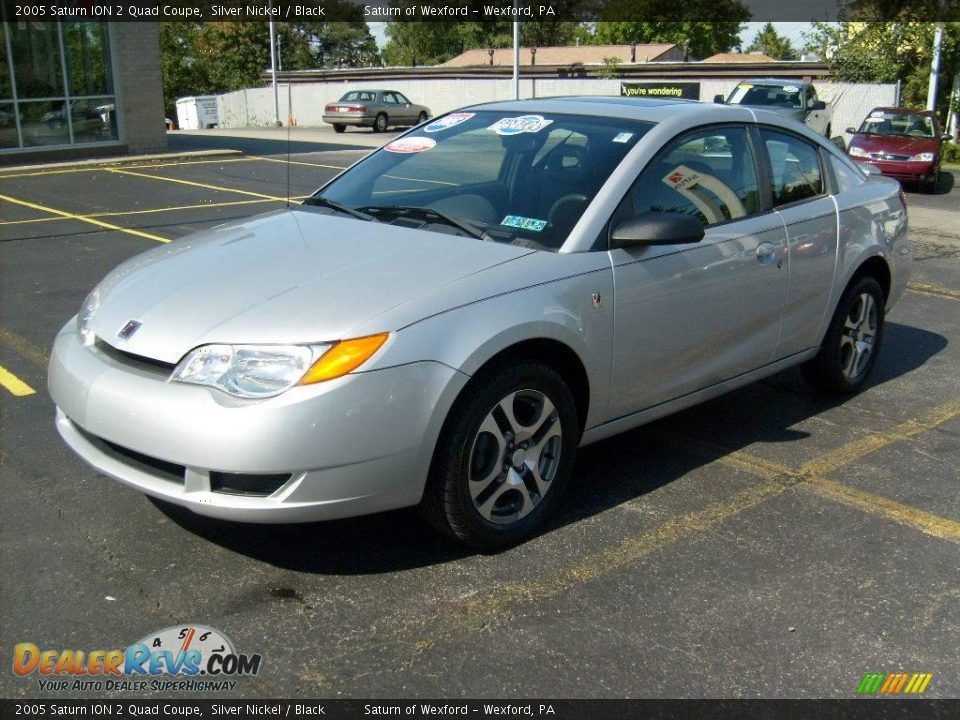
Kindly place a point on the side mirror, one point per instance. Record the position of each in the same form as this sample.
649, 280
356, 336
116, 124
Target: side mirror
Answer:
818, 105
851, 131
657, 228
946, 137
869, 169
719, 99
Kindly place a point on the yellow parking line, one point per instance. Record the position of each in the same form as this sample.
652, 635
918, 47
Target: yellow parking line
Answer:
296, 162
26, 348
85, 219
926, 522
935, 290
845, 454
198, 184
14, 384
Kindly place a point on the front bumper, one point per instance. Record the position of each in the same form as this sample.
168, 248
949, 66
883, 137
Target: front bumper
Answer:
904, 171
352, 446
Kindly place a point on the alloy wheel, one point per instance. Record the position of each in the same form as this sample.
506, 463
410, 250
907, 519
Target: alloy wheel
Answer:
858, 336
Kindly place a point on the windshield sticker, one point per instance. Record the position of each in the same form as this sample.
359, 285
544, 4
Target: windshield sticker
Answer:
745, 86
521, 124
791, 88
622, 137
876, 114
874, 119
448, 121
524, 223
410, 145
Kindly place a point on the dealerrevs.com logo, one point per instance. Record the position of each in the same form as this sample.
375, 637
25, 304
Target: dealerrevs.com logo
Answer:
186, 651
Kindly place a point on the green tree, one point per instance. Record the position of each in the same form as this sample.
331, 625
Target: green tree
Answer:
773, 44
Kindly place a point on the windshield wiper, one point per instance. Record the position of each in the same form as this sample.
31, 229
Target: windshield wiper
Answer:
427, 214
333, 205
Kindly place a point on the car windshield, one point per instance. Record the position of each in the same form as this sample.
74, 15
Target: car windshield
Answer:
504, 176
882, 122
785, 96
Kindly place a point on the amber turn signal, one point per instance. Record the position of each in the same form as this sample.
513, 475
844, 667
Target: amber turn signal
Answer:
346, 356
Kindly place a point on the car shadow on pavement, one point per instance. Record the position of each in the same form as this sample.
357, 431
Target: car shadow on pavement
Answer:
607, 474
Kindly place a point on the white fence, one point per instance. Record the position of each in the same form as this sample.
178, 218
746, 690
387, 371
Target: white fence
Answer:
255, 107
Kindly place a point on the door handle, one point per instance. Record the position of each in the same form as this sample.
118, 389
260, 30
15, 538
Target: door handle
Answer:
767, 253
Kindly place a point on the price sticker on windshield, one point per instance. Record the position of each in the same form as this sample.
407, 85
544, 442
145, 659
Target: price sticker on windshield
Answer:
447, 122
521, 124
410, 145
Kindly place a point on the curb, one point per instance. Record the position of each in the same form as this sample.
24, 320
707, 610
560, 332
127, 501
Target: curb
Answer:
119, 160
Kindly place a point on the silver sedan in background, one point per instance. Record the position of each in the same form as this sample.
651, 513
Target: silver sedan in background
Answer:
447, 321
377, 109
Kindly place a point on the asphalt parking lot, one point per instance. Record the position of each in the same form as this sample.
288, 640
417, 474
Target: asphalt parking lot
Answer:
771, 543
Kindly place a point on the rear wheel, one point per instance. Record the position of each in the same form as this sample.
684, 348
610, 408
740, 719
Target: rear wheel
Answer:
380, 123
850, 347
504, 455
339, 127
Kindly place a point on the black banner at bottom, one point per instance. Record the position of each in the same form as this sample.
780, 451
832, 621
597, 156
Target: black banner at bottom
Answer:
914, 709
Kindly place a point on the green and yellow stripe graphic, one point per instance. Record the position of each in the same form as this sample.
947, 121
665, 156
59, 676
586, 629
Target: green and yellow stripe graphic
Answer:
894, 683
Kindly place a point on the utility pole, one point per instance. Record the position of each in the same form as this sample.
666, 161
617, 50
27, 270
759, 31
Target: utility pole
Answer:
935, 68
273, 70
516, 49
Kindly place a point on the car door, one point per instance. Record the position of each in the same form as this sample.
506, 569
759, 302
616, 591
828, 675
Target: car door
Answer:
798, 191
690, 316
394, 109
406, 108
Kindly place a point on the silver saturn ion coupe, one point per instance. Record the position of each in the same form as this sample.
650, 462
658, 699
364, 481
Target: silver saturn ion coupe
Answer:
445, 323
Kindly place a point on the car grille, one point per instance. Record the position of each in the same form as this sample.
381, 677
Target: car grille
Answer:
139, 362
257, 485
153, 466
888, 157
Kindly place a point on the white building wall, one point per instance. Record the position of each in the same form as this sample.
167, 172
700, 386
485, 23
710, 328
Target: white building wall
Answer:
254, 107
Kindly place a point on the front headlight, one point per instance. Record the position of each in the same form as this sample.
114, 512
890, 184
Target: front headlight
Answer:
924, 157
262, 371
854, 151
89, 307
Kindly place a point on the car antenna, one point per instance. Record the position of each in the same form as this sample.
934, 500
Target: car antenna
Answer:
289, 123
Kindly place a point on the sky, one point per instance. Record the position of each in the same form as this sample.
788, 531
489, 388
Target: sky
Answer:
793, 31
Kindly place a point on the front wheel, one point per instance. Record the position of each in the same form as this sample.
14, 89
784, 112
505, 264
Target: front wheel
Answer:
421, 118
504, 455
850, 347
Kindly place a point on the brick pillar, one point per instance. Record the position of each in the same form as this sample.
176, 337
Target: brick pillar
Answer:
138, 85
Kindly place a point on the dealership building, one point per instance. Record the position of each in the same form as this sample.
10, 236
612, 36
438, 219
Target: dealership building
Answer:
79, 89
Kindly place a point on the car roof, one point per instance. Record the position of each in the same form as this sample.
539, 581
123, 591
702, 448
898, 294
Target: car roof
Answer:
627, 108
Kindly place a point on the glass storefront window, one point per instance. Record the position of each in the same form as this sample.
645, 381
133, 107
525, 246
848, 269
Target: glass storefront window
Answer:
57, 79
88, 59
36, 59
8, 127
44, 123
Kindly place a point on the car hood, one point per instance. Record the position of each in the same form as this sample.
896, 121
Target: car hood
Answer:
291, 277
896, 144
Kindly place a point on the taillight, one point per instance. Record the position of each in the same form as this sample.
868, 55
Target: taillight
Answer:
358, 108
330, 108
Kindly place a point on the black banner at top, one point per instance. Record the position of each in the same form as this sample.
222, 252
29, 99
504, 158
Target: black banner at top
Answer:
481, 10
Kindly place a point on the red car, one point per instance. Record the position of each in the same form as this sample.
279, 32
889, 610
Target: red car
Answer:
902, 143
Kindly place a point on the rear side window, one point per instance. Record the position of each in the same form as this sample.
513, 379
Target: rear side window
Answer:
847, 177
795, 172
709, 174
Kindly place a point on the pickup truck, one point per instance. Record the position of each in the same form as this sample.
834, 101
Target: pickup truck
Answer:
792, 98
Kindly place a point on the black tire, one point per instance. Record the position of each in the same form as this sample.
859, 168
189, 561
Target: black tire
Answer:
380, 123
932, 185
339, 128
422, 118
447, 502
832, 369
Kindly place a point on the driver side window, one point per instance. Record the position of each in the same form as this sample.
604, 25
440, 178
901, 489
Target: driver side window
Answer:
709, 174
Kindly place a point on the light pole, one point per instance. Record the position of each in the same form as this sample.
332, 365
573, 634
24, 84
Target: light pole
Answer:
273, 70
516, 49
